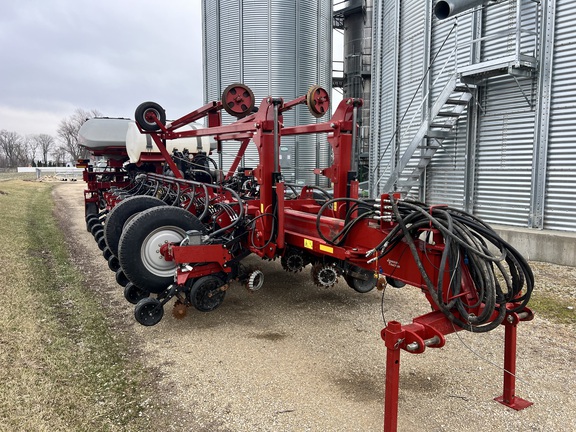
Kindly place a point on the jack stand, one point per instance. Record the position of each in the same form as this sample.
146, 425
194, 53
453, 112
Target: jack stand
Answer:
393, 336
509, 397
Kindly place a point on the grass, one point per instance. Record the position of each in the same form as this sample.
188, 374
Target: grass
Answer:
17, 176
62, 368
556, 310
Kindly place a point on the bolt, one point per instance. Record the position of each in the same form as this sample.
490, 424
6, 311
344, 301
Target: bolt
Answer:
333, 125
157, 250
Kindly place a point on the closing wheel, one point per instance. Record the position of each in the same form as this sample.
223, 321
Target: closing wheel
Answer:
101, 243
91, 220
96, 228
207, 294
106, 254
123, 213
318, 101
134, 294
361, 285
148, 311
238, 100
121, 278
113, 263
146, 115
140, 246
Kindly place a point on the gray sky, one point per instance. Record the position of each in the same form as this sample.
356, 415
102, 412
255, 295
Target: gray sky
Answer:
109, 55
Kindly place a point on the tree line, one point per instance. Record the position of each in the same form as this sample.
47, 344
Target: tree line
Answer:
43, 149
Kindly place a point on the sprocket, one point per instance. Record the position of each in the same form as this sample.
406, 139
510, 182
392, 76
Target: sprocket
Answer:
293, 261
324, 275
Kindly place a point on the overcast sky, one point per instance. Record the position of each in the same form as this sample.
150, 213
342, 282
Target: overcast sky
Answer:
109, 55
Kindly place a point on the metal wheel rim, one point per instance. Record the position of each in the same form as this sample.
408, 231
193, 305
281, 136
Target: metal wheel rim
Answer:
150, 251
147, 114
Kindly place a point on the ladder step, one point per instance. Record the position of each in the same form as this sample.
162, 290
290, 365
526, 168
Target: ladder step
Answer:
442, 125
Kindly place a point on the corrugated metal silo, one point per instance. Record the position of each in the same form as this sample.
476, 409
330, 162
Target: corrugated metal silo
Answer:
278, 48
508, 158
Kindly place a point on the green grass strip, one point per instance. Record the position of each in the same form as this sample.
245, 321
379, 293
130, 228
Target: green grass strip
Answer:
62, 368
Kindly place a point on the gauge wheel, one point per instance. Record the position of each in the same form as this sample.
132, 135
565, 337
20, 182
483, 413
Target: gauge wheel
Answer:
360, 285
395, 283
206, 293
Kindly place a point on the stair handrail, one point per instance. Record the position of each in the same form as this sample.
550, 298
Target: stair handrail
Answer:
451, 56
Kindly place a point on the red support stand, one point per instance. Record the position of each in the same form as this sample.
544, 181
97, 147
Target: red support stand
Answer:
393, 338
509, 397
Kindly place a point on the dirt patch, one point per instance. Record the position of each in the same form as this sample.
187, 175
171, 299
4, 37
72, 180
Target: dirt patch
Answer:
296, 357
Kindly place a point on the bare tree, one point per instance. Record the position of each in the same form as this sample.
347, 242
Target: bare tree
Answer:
68, 132
60, 155
46, 144
31, 146
12, 147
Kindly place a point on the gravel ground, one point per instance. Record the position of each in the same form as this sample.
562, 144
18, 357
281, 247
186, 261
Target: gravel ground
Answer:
296, 357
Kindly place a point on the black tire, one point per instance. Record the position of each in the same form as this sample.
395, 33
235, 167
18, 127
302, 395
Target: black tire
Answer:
121, 278
92, 222
140, 242
395, 283
101, 243
148, 311
106, 253
123, 213
360, 285
96, 228
113, 263
134, 294
140, 116
205, 294
91, 219
90, 208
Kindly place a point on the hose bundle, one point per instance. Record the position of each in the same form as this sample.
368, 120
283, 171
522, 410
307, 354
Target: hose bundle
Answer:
501, 279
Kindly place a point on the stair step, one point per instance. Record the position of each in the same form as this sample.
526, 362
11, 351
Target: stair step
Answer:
442, 125
407, 184
438, 134
457, 102
463, 88
449, 114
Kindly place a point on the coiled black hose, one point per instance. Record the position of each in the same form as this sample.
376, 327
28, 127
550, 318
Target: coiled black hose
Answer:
467, 241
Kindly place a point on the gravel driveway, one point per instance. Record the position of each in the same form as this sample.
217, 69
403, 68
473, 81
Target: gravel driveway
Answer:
296, 357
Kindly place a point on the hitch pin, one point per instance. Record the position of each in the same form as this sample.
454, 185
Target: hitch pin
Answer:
415, 346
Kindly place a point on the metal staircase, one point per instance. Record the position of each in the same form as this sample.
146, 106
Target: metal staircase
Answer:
447, 110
